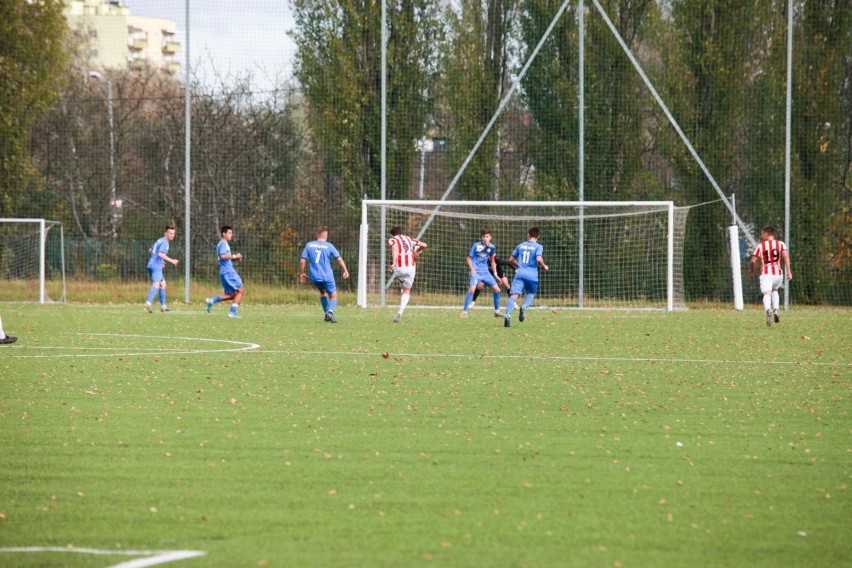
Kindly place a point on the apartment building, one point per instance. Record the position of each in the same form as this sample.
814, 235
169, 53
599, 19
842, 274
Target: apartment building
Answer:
113, 38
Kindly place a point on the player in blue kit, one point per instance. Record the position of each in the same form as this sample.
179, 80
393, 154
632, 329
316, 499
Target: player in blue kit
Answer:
159, 256
527, 256
318, 255
232, 284
481, 263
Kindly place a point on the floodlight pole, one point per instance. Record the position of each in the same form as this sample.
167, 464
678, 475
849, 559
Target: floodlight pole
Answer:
112, 192
581, 154
187, 166
384, 148
789, 120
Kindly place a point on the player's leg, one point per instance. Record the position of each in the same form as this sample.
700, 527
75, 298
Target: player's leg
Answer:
331, 291
5, 339
468, 298
162, 293
489, 280
776, 298
406, 278
156, 276
476, 292
766, 289
235, 305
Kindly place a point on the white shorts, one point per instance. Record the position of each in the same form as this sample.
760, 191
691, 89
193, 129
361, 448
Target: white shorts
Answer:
768, 282
405, 275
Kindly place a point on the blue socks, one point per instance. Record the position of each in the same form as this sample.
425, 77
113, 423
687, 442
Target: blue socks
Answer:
324, 301
163, 296
528, 300
496, 301
510, 305
151, 293
332, 304
467, 300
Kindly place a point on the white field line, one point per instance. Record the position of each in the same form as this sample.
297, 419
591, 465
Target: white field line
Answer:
242, 346
151, 557
674, 360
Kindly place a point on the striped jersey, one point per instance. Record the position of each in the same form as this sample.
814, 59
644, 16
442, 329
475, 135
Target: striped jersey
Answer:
770, 253
403, 249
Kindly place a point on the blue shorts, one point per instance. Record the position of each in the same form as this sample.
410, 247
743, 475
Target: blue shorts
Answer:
327, 286
484, 277
522, 284
156, 274
231, 282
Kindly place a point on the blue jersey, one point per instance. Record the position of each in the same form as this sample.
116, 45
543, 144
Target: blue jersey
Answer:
526, 254
225, 265
480, 255
161, 246
319, 255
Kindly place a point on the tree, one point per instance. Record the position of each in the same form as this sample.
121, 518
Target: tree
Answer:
32, 61
338, 65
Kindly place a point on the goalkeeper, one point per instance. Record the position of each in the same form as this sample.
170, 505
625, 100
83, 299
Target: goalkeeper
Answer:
499, 275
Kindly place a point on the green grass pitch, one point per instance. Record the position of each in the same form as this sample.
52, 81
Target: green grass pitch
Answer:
700, 438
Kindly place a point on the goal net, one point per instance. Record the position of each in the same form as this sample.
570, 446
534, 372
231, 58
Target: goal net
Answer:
601, 255
32, 260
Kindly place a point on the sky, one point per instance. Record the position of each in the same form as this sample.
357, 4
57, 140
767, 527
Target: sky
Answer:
231, 38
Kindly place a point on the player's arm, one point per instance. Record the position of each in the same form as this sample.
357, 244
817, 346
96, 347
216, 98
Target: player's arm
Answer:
786, 258
343, 266
541, 263
754, 258
303, 277
167, 258
226, 256
470, 267
493, 261
513, 262
394, 253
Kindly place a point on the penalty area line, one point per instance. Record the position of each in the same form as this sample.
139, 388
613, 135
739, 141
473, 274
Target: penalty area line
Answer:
566, 358
242, 346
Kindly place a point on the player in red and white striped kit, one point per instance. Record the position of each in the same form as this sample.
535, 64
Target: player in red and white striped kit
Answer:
404, 253
770, 252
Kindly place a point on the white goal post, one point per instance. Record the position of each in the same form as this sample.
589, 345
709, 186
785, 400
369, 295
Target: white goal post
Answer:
32, 260
602, 255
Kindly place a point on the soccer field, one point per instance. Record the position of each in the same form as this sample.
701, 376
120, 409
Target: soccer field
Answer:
699, 438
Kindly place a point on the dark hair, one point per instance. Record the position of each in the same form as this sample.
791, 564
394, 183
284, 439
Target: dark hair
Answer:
485, 232
169, 228
769, 230
322, 230
533, 232
226, 228
396, 230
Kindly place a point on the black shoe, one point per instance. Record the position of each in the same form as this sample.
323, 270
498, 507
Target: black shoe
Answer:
521, 316
777, 319
329, 317
7, 340
507, 322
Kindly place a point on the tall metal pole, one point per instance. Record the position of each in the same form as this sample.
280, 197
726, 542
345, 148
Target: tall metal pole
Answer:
113, 204
789, 121
581, 154
383, 182
187, 165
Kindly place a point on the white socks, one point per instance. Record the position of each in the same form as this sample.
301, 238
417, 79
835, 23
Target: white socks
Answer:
403, 302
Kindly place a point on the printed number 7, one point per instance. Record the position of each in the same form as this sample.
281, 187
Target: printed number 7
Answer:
317, 259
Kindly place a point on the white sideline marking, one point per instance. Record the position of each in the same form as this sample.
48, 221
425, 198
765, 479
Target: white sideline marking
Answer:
152, 557
243, 346
569, 358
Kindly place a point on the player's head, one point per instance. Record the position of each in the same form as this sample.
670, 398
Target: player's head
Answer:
397, 230
768, 232
322, 233
485, 235
169, 232
227, 232
533, 233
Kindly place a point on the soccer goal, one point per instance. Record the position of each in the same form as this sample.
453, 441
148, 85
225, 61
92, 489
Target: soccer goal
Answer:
602, 255
32, 260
